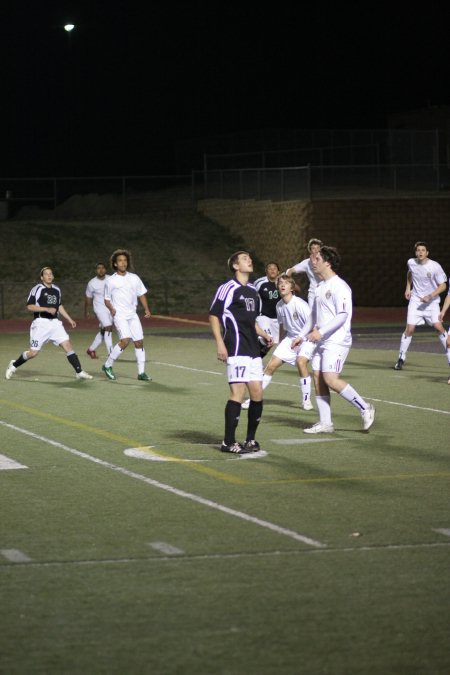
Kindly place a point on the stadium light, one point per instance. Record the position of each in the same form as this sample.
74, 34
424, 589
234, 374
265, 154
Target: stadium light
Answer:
69, 27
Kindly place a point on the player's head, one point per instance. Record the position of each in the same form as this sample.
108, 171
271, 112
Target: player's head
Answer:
234, 260
115, 255
285, 280
421, 245
272, 270
46, 275
330, 255
314, 245
100, 269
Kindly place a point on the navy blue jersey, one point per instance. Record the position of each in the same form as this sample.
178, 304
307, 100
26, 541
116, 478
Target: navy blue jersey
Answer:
44, 296
237, 307
268, 293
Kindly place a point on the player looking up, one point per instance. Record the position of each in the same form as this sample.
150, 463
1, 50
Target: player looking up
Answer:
268, 292
232, 318
305, 266
44, 300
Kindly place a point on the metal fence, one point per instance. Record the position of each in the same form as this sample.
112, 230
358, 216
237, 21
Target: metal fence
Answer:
322, 182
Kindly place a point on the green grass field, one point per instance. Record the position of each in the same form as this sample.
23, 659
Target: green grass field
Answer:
130, 544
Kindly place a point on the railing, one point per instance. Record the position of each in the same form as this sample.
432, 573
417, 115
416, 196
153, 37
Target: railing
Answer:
322, 182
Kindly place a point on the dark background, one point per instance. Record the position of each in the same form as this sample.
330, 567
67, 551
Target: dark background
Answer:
115, 96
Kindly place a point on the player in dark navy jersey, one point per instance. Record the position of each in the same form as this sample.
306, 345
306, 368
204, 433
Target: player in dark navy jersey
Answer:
268, 292
232, 317
44, 300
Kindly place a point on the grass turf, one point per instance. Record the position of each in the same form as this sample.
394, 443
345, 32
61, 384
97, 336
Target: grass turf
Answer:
185, 560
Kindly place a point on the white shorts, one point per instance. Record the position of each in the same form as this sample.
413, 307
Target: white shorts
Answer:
270, 326
129, 328
244, 369
419, 313
47, 330
329, 358
103, 315
285, 352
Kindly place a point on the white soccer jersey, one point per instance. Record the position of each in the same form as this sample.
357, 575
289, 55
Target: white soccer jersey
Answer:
293, 315
306, 267
123, 292
425, 278
334, 296
96, 291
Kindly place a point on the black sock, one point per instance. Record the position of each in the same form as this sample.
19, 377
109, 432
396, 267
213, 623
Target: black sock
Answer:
74, 362
232, 413
19, 362
254, 417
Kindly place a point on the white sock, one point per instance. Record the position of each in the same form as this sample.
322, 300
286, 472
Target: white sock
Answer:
140, 358
305, 385
324, 408
443, 339
113, 355
108, 341
97, 341
267, 379
353, 397
404, 345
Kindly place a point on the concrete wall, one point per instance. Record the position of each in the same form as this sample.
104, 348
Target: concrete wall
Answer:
375, 237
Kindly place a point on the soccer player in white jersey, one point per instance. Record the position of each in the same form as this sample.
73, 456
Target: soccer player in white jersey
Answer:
44, 300
268, 292
306, 267
292, 313
123, 290
425, 281
329, 326
95, 297
442, 314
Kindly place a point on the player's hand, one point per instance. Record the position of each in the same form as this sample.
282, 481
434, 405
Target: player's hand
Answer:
269, 340
147, 314
296, 342
51, 310
314, 335
408, 295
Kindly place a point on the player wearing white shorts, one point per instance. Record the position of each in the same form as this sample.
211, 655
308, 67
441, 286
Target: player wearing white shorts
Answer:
442, 314
329, 326
232, 317
305, 266
268, 292
44, 300
123, 290
292, 313
95, 297
425, 281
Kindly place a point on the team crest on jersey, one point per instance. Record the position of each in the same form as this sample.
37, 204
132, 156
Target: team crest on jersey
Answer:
328, 295
429, 275
295, 316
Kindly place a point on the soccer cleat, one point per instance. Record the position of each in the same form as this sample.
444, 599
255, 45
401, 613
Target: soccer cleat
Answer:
235, 448
10, 370
251, 446
399, 364
144, 377
319, 428
92, 353
246, 404
307, 405
109, 372
83, 375
368, 416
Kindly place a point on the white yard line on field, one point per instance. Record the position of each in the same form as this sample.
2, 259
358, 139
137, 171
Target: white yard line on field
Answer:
169, 488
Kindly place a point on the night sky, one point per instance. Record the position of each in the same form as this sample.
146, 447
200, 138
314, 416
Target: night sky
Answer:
117, 94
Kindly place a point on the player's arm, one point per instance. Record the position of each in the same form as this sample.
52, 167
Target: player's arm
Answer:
214, 322
408, 285
143, 300
262, 333
38, 308
66, 316
435, 294
445, 307
87, 306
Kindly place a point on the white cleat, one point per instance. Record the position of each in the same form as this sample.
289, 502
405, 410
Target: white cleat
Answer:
246, 404
83, 375
368, 416
10, 370
307, 405
319, 428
